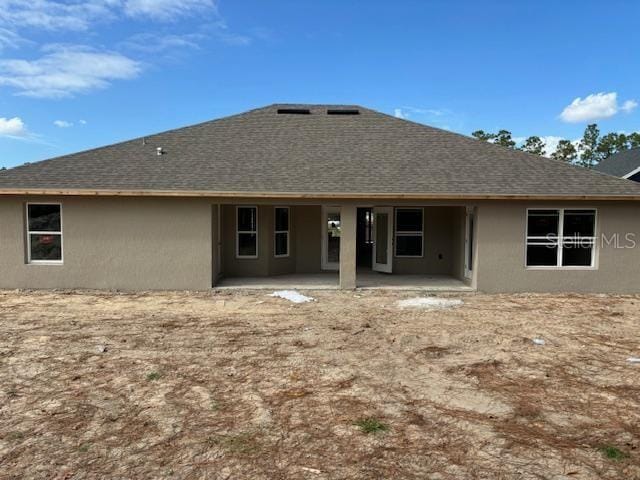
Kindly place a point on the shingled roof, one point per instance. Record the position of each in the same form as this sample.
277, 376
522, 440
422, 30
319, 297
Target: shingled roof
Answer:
331, 150
621, 164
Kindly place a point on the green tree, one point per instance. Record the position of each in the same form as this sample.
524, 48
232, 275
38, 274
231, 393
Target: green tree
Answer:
533, 145
612, 143
589, 155
482, 135
503, 138
634, 140
565, 151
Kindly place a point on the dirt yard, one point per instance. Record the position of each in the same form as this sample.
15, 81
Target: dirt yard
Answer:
351, 386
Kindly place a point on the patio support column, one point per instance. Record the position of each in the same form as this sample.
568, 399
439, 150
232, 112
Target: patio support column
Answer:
348, 228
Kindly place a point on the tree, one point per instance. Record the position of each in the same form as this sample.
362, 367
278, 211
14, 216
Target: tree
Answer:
533, 145
565, 151
503, 138
589, 156
484, 136
634, 140
612, 143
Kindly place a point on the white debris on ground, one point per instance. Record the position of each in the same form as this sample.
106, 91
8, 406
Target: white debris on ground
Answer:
429, 303
633, 360
292, 296
539, 341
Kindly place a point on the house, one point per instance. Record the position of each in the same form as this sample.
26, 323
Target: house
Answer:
337, 194
624, 164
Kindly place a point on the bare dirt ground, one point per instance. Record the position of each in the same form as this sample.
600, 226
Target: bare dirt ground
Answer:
245, 386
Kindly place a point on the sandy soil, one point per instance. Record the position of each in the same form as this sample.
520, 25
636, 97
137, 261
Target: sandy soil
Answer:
246, 386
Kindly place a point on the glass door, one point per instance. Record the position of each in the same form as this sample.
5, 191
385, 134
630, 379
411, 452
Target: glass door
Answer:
383, 239
331, 232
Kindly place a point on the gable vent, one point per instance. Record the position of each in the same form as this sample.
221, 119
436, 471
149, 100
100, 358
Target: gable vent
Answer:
294, 111
343, 112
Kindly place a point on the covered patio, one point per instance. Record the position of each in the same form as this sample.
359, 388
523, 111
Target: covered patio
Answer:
366, 280
320, 247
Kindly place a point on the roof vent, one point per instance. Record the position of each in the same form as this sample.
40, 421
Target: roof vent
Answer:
294, 111
343, 111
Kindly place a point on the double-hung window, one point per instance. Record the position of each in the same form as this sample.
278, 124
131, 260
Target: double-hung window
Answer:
44, 233
561, 238
281, 235
247, 232
409, 232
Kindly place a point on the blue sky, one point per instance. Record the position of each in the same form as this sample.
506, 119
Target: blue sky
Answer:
75, 75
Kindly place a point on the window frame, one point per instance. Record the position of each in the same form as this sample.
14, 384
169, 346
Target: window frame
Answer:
276, 232
595, 252
397, 233
29, 232
255, 232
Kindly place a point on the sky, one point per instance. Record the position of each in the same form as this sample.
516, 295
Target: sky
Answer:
80, 74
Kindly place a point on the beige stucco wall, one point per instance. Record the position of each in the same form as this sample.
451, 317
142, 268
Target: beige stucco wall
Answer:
441, 247
114, 243
501, 251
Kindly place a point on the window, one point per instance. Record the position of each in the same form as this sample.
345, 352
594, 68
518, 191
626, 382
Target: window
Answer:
44, 233
409, 232
247, 232
281, 240
561, 238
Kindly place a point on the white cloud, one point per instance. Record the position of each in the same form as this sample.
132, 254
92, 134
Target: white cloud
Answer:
79, 15
167, 10
9, 39
13, 128
154, 43
595, 107
66, 70
629, 106
550, 144
399, 113
82, 122
62, 124
54, 15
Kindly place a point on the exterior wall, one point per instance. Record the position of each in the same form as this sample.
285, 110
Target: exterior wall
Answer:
114, 243
441, 249
501, 251
308, 238
304, 243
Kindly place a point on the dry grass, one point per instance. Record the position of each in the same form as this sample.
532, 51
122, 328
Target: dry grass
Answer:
229, 386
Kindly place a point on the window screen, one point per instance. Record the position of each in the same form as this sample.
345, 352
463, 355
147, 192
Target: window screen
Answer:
409, 232
247, 232
561, 238
281, 232
44, 233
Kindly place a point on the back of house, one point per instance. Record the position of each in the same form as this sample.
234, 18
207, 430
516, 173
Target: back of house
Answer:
339, 193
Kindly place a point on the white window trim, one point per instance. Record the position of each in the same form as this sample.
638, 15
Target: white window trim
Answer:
35, 232
276, 232
247, 231
407, 234
595, 251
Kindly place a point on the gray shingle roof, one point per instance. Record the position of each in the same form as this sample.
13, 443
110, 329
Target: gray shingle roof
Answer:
263, 151
621, 163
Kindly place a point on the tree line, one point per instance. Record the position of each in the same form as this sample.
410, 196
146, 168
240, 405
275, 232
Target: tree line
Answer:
590, 150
